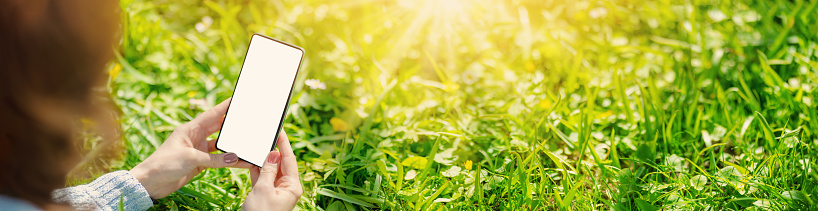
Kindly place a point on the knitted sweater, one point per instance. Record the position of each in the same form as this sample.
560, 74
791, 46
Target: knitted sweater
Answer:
108, 192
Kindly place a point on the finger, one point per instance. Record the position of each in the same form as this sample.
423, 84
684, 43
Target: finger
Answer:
211, 146
213, 117
214, 126
254, 171
268, 173
290, 180
218, 160
284, 145
242, 164
289, 165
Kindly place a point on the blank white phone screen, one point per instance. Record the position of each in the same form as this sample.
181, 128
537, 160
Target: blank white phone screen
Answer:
260, 99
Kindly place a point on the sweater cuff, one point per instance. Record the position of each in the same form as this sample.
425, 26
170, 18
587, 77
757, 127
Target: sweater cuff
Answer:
120, 188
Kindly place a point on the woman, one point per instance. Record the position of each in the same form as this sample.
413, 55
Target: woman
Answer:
52, 79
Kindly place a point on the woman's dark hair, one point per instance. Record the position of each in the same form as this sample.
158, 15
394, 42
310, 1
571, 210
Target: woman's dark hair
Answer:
53, 55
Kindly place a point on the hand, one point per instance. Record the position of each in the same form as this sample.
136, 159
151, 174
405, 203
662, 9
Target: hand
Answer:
185, 154
276, 185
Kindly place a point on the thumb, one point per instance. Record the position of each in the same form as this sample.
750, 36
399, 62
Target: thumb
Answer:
219, 160
269, 172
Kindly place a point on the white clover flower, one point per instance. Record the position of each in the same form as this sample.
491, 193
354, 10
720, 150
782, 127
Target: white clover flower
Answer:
197, 103
206, 22
315, 84
473, 73
599, 12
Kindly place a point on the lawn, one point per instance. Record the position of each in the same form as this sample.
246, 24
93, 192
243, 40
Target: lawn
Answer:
498, 105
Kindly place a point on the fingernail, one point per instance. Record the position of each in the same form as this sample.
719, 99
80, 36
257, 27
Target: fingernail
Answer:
274, 157
231, 158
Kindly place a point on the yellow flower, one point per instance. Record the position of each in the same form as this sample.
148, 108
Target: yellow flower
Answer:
87, 122
115, 70
191, 94
338, 124
530, 67
468, 164
451, 87
545, 103
605, 114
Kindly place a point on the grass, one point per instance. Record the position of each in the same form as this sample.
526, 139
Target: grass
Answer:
495, 105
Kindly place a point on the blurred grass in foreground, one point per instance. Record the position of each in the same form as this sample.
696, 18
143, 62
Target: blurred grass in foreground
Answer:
505, 105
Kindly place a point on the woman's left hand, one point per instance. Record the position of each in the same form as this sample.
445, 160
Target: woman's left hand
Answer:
185, 154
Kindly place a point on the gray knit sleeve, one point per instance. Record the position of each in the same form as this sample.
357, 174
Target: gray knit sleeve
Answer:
106, 193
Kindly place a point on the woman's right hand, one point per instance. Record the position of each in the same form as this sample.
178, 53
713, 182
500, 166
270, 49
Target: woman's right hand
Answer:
276, 185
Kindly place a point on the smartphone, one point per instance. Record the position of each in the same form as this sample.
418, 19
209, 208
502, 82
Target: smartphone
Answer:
260, 100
